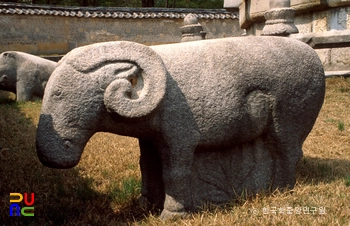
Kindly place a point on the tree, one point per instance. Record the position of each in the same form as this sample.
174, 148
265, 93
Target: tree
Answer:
167, 4
84, 2
147, 3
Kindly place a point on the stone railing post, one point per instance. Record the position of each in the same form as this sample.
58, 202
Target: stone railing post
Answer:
279, 19
192, 30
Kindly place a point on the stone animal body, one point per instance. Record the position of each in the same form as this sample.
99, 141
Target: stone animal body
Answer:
24, 74
212, 117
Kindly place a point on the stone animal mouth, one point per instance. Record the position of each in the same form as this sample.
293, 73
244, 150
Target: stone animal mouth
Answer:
58, 162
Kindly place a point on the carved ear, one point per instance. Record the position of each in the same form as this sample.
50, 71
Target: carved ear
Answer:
135, 75
116, 70
8, 54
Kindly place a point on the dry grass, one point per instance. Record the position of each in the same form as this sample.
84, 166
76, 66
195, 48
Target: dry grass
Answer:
103, 188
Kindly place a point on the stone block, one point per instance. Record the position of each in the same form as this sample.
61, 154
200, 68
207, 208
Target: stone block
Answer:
338, 19
257, 8
331, 39
337, 3
325, 57
232, 3
340, 59
306, 5
335, 59
244, 19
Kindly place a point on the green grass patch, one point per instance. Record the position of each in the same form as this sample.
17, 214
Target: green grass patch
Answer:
124, 191
339, 123
347, 181
341, 126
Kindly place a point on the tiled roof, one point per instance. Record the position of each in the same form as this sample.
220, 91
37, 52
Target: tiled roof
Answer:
113, 12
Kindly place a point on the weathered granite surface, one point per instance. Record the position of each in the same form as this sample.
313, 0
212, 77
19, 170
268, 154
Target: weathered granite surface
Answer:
24, 74
214, 118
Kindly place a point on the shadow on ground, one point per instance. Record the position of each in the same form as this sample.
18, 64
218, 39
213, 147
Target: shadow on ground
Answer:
62, 197
314, 171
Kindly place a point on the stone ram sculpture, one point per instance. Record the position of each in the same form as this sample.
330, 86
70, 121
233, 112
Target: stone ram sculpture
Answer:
214, 118
24, 74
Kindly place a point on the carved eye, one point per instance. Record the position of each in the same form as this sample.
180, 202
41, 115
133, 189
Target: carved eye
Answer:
133, 80
57, 92
7, 54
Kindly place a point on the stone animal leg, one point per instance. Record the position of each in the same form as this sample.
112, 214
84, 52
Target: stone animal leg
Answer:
293, 156
151, 171
286, 156
23, 92
22, 95
177, 162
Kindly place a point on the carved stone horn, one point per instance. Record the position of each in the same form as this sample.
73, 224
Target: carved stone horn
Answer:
134, 76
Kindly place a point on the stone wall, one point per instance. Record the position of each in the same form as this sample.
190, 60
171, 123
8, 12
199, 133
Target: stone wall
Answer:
335, 59
47, 30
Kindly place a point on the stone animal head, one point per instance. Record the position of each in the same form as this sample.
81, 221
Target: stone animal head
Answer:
7, 71
123, 81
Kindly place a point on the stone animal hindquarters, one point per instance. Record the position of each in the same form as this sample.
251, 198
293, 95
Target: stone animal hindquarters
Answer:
254, 101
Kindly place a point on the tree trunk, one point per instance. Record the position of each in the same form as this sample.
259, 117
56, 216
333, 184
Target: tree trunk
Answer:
85, 3
147, 3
